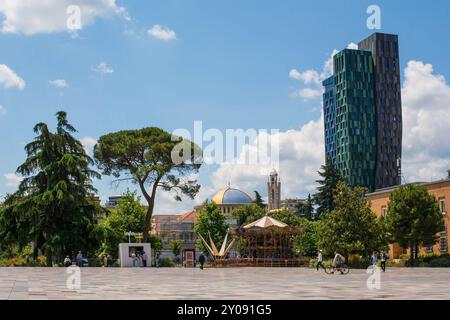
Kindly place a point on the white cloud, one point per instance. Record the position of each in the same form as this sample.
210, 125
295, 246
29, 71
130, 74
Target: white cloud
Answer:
426, 118
103, 68
12, 180
352, 45
308, 93
301, 155
2, 110
59, 83
162, 33
32, 17
88, 144
312, 79
9, 79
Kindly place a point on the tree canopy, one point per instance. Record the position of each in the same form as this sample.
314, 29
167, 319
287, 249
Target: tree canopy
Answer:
53, 206
129, 215
351, 227
153, 159
324, 198
413, 217
258, 200
210, 221
247, 214
306, 208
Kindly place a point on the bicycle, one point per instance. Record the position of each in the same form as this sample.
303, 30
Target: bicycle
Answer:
343, 269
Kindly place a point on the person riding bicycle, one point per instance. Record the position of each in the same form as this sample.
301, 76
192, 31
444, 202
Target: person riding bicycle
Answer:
338, 261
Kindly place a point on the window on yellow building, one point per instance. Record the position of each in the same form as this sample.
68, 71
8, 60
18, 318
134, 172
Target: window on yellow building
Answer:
442, 205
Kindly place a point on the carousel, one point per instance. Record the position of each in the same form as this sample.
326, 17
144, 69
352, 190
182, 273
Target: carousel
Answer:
266, 242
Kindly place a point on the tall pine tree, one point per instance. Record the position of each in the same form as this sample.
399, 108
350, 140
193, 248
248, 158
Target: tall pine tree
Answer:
53, 206
324, 198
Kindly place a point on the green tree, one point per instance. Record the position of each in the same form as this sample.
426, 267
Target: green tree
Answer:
156, 243
129, 215
306, 244
258, 200
248, 213
414, 217
306, 208
210, 221
53, 206
175, 247
286, 216
324, 198
153, 159
351, 227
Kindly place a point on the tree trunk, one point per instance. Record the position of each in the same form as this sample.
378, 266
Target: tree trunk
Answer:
148, 220
411, 248
416, 253
49, 257
151, 204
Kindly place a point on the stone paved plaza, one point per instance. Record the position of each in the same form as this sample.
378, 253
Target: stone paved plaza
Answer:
227, 283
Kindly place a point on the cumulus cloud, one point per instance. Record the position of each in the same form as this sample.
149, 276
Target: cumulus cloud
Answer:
31, 17
59, 83
426, 118
2, 110
9, 79
301, 153
162, 33
88, 144
103, 68
312, 79
12, 180
352, 45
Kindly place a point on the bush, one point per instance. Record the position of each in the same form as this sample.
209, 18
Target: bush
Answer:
358, 262
166, 262
440, 262
20, 262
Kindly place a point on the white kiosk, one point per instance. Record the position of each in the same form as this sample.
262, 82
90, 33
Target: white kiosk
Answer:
126, 251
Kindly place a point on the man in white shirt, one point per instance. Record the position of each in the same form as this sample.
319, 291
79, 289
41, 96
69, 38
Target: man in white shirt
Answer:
319, 260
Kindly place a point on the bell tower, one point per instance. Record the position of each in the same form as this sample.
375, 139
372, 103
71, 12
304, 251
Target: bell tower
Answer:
273, 191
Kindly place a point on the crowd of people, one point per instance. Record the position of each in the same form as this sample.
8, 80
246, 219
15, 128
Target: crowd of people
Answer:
139, 258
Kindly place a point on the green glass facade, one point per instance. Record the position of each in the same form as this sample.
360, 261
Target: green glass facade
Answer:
355, 117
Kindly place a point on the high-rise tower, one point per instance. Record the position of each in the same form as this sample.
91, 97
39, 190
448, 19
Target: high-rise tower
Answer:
388, 106
362, 113
273, 191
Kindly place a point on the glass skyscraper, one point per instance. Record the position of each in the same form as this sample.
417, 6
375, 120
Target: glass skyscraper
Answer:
362, 113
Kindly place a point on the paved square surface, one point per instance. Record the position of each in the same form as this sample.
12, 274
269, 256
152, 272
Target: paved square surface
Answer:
226, 283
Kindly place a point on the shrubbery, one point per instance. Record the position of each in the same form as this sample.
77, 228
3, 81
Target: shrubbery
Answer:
166, 262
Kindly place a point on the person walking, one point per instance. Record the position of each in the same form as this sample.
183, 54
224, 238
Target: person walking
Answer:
374, 260
67, 262
134, 259
109, 261
144, 259
201, 259
319, 260
383, 258
157, 260
79, 259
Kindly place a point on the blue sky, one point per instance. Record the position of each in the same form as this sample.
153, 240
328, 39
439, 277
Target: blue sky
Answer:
228, 66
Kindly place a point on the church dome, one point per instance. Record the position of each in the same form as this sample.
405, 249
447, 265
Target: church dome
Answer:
231, 196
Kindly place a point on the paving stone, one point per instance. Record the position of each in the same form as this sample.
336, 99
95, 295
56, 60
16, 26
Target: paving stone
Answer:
226, 283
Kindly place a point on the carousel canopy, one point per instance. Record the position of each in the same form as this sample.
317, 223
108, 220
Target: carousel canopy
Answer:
266, 222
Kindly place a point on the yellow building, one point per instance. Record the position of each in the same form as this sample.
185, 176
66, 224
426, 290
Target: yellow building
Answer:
379, 201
